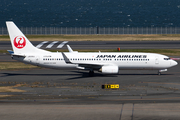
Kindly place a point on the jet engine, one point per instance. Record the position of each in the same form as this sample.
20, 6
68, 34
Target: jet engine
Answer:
109, 69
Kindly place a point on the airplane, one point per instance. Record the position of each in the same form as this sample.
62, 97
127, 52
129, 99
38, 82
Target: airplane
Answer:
104, 62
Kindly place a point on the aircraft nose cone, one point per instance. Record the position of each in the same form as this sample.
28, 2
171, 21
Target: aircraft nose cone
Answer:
173, 63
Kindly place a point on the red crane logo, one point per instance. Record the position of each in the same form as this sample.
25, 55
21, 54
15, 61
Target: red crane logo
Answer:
19, 42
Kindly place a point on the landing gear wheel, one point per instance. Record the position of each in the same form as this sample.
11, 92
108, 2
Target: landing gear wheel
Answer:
91, 73
159, 73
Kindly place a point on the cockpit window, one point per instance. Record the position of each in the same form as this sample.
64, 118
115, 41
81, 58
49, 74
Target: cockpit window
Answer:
166, 58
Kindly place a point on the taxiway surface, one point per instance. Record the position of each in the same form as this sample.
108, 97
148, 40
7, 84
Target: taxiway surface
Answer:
71, 94
152, 111
134, 85
98, 45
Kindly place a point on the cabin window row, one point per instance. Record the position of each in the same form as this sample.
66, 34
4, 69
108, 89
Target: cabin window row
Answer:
83, 59
52, 59
98, 59
131, 59
68, 59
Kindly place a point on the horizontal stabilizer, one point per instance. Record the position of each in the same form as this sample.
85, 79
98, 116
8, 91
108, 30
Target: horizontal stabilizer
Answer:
10, 51
18, 55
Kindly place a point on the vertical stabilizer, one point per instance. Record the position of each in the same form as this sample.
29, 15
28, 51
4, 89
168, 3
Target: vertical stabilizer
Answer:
19, 42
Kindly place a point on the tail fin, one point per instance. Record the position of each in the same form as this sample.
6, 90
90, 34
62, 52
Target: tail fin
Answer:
19, 42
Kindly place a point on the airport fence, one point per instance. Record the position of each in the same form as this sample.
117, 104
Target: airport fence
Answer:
95, 30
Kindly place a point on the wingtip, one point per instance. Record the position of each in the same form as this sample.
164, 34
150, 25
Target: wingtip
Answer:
9, 22
69, 48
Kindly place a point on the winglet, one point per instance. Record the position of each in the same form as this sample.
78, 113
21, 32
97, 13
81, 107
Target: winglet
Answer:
69, 48
65, 58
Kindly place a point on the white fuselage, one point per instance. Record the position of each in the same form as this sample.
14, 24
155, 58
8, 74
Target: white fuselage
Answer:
124, 60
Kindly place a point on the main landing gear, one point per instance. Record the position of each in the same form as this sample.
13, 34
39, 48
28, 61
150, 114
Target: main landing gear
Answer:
91, 73
159, 73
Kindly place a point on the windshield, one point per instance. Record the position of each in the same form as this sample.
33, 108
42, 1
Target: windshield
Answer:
166, 58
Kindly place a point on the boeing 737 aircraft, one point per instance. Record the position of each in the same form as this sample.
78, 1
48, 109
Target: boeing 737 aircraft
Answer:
104, 62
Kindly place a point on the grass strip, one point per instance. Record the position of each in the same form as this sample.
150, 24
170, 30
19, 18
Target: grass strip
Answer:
15, 65
10, 89
127, 37
3, 51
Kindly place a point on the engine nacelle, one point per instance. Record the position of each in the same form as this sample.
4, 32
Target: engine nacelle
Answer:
109, 69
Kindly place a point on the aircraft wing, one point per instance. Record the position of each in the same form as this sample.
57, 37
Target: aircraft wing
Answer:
86, 65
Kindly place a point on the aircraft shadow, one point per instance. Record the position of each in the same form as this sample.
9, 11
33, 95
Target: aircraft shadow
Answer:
143, 74
86, 75
15, 74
